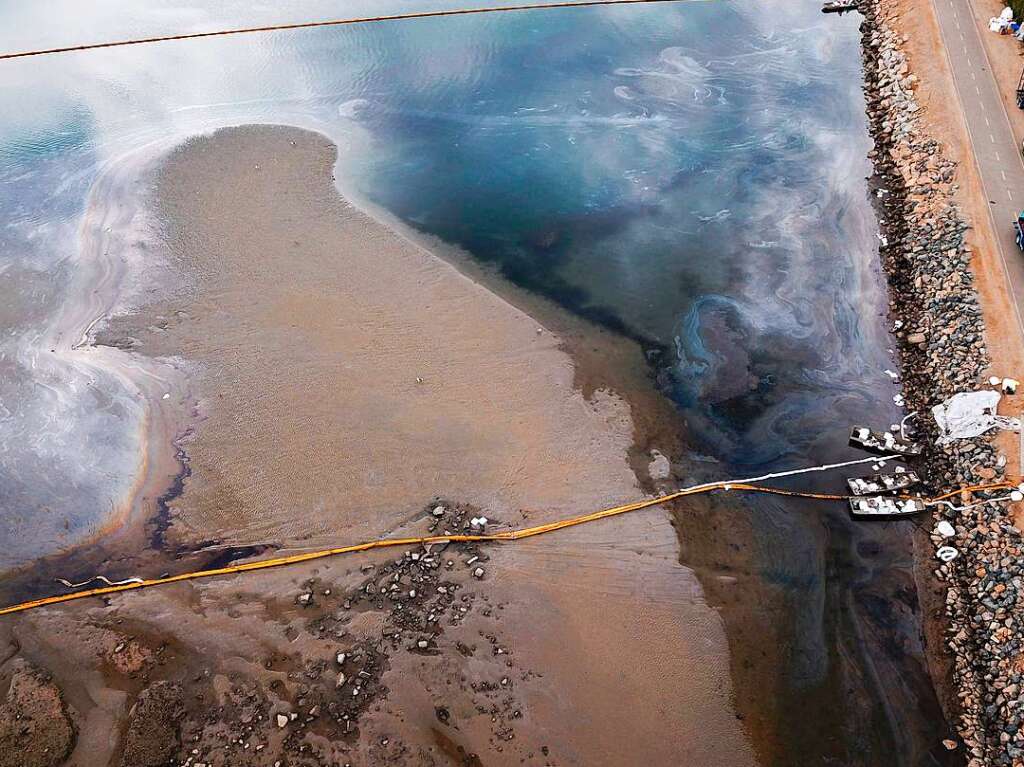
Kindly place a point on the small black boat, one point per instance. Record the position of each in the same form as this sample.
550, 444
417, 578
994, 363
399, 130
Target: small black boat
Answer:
882, 483
881, 507
882, 443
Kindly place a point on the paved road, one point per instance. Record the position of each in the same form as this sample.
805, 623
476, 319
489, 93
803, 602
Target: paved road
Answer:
997, 152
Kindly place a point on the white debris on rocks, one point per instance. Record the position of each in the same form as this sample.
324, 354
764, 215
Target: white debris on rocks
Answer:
970, 414
938, 323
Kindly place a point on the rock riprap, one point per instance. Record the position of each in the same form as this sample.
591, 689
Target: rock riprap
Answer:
938, 323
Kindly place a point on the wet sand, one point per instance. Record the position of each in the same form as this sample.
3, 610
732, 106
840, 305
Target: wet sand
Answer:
344, 377
339, 388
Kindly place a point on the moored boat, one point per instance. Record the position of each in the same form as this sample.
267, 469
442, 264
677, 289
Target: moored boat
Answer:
882, 443
881, 507
882, 483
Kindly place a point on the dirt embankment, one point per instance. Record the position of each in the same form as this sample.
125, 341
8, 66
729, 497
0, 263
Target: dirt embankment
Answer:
955, 324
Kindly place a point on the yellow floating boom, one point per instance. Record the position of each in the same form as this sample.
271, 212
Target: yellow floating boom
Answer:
505, 535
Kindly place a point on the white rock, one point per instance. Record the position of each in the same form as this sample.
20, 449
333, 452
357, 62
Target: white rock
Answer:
282, 720
659, 467
945, 529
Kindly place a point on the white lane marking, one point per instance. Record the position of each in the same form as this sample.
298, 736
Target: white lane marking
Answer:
997, 157
1001, 251
973, 77
976, 90
991, 138
1002, 173
987, 122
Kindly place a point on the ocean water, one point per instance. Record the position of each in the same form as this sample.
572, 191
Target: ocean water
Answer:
690, 174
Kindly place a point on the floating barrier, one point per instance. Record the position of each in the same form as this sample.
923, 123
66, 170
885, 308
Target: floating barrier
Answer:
330, 23
741, 485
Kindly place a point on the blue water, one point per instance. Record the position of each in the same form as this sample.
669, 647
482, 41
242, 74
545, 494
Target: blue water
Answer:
647, 169
633, 163
690, 175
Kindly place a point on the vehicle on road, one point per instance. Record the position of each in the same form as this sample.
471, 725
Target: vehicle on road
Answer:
1018, 231
1020, 91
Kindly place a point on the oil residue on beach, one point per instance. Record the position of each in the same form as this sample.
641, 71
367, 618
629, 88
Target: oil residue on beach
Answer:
690, 177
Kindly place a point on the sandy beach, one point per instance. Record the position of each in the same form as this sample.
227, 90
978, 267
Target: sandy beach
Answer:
345, 383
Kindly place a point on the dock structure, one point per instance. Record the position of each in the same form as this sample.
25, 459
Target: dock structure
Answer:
841, 6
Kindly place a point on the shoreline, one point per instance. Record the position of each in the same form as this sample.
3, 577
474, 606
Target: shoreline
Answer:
937, 268
109, 277
602, 358
113, 287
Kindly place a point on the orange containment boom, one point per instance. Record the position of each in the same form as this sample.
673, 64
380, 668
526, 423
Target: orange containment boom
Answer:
329, 23
501, 536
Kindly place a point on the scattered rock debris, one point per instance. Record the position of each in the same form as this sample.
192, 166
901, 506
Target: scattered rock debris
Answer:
318, 694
